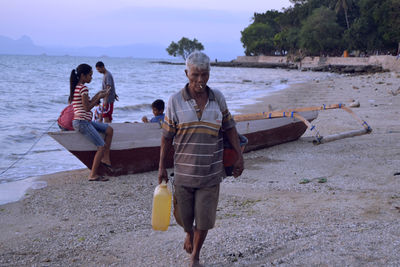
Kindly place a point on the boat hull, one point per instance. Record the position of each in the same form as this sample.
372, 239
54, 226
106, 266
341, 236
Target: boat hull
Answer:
136, 146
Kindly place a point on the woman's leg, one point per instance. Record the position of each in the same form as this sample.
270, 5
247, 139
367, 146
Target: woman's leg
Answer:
88, 129
96, 162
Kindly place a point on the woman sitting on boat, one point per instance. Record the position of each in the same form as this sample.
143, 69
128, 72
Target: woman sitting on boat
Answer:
83, 123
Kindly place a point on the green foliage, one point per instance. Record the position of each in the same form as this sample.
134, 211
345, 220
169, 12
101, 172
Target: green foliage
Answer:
270, 18
327, 26
257, 39
184, 47
320, 33
345, 6
387, 17
287, 40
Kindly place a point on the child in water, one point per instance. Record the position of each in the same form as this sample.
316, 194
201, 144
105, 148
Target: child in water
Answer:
158, 111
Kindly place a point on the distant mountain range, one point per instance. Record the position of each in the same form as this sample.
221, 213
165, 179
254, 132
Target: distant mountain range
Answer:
25, 46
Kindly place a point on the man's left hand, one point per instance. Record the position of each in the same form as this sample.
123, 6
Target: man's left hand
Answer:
238, 167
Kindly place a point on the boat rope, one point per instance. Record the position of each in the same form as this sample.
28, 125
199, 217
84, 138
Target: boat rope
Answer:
29, 150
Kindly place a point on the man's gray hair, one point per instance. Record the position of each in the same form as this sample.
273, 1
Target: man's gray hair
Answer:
199, 60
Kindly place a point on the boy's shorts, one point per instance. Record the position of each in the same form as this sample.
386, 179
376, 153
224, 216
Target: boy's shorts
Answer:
196, 204
110, 108
91, 130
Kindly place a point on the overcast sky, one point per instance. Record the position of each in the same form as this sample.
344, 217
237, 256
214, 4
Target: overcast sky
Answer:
122, 22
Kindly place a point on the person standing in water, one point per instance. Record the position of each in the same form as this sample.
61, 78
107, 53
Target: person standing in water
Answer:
83, 123
108, 84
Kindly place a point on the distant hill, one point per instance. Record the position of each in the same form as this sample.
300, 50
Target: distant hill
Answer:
25, 46
134, 50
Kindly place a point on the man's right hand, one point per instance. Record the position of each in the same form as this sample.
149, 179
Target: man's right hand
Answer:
162, 175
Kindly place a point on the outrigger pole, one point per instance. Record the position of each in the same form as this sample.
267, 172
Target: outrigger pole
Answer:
294, 113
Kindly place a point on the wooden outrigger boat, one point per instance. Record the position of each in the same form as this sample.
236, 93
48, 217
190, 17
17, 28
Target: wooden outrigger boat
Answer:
136, 146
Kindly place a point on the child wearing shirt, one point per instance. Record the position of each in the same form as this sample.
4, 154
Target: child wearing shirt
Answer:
99, 110
158, 111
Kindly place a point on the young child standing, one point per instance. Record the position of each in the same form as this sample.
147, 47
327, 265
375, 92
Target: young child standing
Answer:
99, 110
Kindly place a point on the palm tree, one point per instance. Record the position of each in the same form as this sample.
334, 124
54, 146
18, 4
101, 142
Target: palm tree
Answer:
345, 5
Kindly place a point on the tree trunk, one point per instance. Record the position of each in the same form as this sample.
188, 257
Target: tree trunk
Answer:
347, 19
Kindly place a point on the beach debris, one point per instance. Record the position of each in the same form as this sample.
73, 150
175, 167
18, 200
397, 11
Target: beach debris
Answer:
284, 80
354, 104
246, 81
355, 87
394, 93
320, 180
396, 173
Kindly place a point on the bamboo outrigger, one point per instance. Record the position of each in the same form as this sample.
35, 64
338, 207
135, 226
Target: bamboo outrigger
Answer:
294, 113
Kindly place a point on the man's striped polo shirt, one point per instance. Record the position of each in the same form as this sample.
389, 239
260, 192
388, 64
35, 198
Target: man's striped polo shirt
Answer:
197, 140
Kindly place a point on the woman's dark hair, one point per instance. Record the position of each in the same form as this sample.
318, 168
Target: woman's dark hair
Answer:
84, 69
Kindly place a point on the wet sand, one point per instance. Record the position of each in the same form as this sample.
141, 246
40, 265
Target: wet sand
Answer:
265, 217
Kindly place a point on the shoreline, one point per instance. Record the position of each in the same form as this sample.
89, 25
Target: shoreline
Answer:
282, 63
265, 217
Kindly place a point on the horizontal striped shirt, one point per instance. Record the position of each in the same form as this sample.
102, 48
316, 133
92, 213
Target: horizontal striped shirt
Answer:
197, 140
79, 111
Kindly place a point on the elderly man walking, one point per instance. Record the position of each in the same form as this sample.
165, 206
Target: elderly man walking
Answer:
194, 121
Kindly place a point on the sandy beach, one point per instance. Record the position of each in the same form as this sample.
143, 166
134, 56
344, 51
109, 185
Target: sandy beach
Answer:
266, 217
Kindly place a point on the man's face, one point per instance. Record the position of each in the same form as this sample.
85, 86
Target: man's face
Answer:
100, 69
198, 78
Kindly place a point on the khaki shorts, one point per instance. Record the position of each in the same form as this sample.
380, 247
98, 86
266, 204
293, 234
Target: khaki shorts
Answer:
196, 205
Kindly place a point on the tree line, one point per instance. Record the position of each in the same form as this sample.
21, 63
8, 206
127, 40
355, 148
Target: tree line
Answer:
326, 27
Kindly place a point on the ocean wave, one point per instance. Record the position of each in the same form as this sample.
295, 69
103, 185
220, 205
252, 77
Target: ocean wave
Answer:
138, 107
60, 101
45, 151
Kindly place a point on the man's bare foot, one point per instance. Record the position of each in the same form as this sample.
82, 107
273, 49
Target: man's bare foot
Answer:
188, 245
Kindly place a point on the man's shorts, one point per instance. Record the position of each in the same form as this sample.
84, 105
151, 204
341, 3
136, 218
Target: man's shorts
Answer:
110, 108
91, 130
197, 205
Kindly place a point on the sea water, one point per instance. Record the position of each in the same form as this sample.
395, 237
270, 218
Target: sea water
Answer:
34, 90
